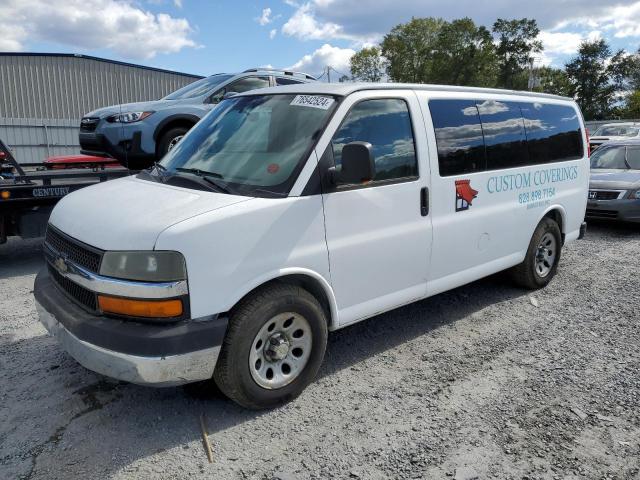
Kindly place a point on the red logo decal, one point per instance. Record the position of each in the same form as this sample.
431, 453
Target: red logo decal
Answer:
464, 195
273, 168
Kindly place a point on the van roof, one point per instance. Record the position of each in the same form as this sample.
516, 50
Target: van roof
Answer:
348, 88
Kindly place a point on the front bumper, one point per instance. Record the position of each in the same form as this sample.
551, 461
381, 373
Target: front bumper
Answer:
128, 150
624, 210
146, 354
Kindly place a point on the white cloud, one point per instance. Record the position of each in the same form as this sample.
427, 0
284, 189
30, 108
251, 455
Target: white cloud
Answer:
365, 22
273, 33
304, 26
265, 18
177, 3
316, 62
117, 25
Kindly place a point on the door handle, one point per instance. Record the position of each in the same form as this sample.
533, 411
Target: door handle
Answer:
424, 201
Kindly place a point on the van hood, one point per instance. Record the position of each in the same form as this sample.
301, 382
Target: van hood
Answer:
130, 213
130, 107
615, 179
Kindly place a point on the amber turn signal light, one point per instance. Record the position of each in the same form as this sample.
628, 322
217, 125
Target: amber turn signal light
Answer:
140, 308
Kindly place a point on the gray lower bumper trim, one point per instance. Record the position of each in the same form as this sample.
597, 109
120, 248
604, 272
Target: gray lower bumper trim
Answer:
154, 371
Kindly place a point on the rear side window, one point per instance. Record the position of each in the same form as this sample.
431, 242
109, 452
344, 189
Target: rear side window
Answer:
386, 125
553, 132
504, 135
478, 135
287, 81
458, 136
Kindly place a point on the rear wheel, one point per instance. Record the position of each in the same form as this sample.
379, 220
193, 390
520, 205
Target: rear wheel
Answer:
169, 140
273, 348
541, 262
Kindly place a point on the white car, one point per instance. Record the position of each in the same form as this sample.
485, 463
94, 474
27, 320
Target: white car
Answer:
614, 131
289, 212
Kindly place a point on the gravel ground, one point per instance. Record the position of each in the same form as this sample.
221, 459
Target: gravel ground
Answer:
487, 381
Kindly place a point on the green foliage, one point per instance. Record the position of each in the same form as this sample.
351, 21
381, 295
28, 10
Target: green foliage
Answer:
409, 49
632, 105
517, 42
432, 50
464, 54
595, 77
367, 65
554, 81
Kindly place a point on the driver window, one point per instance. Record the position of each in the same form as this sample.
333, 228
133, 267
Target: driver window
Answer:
240, 86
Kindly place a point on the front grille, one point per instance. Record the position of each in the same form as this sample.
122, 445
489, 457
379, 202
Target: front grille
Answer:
592, 212
79, 253
603, 195
84, 297
89, 124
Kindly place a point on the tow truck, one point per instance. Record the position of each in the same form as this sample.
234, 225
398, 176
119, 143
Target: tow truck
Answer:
29, 192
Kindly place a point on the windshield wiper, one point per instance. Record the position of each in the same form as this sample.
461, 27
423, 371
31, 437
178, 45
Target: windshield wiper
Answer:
197, 171
208, 177
625, 159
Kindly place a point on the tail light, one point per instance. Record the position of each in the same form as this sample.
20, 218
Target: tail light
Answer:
588, 143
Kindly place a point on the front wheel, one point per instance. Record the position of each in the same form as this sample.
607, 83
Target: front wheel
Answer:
541, 262
169, 140
273, 348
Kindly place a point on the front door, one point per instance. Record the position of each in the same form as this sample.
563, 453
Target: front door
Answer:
379, 233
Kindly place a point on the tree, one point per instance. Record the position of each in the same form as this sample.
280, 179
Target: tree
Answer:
595, 77
367, 65
555, 81
632, 105
517, 43
409, 49
464, 55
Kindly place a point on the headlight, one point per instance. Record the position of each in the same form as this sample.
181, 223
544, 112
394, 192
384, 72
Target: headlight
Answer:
162, 266
128, 117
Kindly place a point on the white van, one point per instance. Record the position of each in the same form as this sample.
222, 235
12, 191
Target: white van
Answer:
291, 211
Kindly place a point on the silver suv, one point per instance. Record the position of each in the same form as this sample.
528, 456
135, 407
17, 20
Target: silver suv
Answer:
137, 134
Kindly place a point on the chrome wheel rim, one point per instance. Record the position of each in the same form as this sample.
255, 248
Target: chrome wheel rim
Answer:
280, 350
174, 141
546, 255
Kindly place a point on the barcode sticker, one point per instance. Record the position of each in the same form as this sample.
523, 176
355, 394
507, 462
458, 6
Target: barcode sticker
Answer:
314, 101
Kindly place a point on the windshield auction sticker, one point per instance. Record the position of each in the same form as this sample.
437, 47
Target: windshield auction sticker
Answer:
313, 101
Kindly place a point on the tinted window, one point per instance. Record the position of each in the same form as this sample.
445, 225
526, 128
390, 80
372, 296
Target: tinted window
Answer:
198, 88
504, 135
287, 81
458, 136
249, 83
386, 125
553, 132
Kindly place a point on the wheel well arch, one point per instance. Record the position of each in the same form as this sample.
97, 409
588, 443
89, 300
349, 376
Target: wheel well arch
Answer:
315, 285
557, 214
174, 121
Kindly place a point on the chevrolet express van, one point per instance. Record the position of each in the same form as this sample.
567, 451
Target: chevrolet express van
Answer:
289, 212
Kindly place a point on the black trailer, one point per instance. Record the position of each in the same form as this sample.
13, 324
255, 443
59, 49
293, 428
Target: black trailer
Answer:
27, 197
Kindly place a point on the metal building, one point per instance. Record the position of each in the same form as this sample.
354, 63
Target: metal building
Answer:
43, 96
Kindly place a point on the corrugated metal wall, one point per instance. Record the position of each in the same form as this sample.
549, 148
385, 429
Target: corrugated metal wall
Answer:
43, 98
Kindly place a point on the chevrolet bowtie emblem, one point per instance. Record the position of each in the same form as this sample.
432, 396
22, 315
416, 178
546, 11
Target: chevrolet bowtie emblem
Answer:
61, 265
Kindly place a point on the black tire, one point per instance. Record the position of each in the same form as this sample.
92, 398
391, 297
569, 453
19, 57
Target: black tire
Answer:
163, 145
232, 373
526, 274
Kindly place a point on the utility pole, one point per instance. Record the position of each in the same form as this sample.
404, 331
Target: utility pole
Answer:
328, 73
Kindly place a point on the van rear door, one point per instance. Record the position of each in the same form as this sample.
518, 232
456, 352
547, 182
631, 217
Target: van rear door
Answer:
379, 233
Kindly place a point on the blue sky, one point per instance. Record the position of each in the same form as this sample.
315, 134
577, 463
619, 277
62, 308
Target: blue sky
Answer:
205, 37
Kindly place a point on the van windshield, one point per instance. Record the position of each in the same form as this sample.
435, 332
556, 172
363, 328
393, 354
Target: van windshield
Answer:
255, 145
198, 88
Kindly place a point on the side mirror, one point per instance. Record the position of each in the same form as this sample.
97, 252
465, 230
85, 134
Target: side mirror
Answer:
358, 165
229, 95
